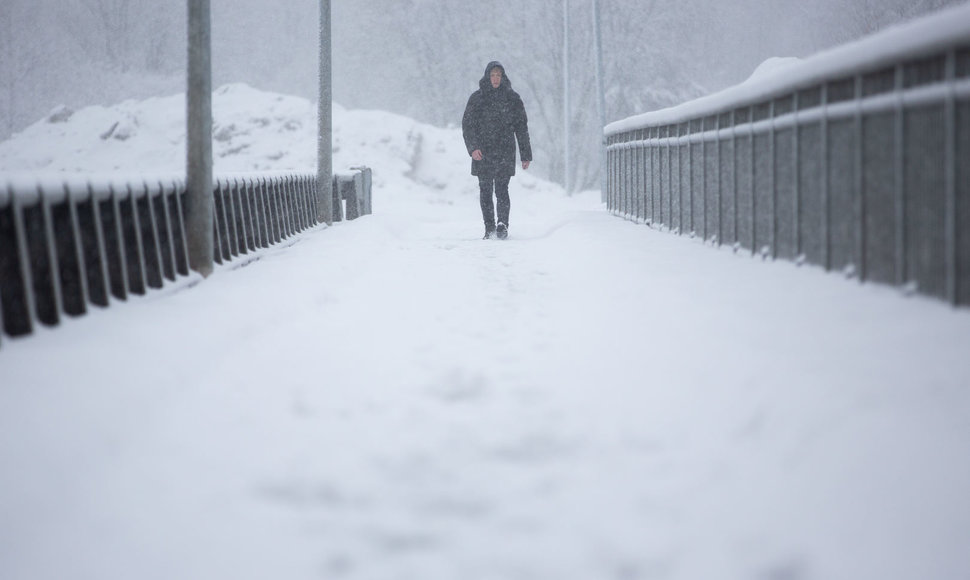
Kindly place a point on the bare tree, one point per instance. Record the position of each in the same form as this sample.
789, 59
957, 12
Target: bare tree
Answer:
18, 58
113, 21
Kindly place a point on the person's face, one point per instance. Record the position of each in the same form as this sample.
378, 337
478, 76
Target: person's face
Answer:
496, 77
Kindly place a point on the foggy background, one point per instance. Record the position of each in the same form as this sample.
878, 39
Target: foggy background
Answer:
423, 58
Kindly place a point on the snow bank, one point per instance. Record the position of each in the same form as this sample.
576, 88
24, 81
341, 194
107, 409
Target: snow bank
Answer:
252, 130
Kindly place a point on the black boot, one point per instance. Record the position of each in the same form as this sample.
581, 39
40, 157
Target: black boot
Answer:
489, 231
503, 231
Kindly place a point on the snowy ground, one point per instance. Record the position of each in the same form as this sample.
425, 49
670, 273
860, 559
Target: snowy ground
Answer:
395, 398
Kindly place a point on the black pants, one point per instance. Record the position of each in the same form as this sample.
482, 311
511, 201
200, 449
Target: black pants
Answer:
501, 187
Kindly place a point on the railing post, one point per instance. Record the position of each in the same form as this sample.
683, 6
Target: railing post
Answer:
325, 122
199, 137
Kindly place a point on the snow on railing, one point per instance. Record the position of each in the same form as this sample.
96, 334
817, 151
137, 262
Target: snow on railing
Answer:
68, 243
856, 159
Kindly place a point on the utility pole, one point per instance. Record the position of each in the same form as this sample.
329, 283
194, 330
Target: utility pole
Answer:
198, 168
325, 121
600, 96
565, 91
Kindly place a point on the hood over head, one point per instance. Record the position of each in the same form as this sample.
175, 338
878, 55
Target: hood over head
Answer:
486, 83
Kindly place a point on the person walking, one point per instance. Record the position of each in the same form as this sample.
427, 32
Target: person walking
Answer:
493, 122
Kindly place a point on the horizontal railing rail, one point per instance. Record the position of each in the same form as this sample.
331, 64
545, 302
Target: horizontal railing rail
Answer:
855, 160
67, 245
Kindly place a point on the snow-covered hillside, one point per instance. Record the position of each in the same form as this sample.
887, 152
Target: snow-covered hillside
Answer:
252, 131
395, 398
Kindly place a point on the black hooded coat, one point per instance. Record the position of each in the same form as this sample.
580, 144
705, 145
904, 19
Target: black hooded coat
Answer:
494, 119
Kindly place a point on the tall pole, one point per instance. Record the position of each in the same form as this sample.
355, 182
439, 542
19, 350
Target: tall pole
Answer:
600, 95
325, 118
198, 168
565, 92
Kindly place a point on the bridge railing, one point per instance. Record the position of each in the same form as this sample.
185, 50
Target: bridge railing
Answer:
857, 159
67, 245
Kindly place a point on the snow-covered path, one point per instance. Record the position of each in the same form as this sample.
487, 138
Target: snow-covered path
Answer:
395, 398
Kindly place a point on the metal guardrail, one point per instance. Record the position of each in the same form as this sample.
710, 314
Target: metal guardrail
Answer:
65, 245
857, 160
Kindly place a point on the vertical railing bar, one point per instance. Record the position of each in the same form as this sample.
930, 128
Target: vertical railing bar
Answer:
277, 232
635, 168
254, 217
618, 205
299, 206
268, 207
158, 242
102, 248
754, 194
690, 179
234, 233
773, 182
243, 224
652, 163
3, 326
281, 203
949, 179
26, 272
280, 212
618, 178
899, 176
614, 173
658, 212
650, 176
139, 247
246, 215
647, 177
609, 179
52, 256
826, 218
181, 220
720, 186
264, 209
624, 177
78, 249
670, 182
682, 188
295, 211
646, 173
796, 176
639, 176
703, 142
617, 164
734, 175
291, 205
256, 214
226, 213
625, 202
168, 228
859, 180
311, 192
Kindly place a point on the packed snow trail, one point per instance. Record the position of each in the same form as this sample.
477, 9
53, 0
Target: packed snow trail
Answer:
395, 398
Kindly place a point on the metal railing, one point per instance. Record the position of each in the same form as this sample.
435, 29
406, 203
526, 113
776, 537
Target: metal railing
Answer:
857, 160
66, 245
